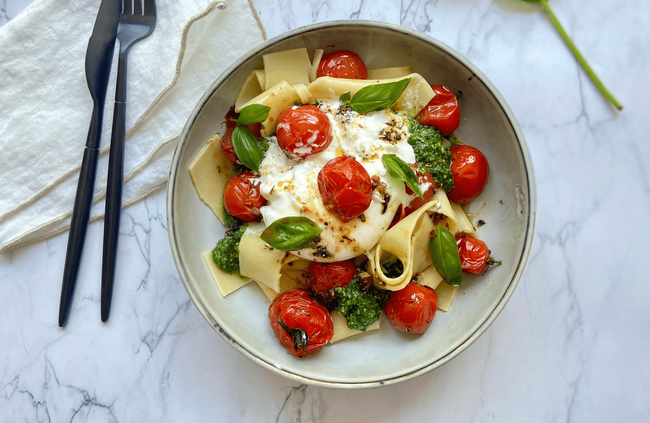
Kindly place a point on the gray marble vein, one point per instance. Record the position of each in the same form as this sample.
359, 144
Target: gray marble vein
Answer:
571, 345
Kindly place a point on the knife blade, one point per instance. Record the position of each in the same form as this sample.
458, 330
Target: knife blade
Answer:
99, 57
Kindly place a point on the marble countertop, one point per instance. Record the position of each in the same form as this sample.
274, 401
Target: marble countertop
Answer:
571, 345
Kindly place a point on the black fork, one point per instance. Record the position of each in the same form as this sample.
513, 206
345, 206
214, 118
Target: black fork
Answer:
137, 21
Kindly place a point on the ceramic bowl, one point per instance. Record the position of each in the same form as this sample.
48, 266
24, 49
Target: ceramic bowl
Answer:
507, 206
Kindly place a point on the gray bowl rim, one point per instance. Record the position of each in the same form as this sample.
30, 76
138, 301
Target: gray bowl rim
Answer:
530, 195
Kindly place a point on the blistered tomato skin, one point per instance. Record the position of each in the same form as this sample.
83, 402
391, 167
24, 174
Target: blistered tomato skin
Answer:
412, 308
345, 187
427, 193
303, 130
242, 197
227, 147
470, 171
474, 254
442, 111
301, 324
342, 64
322, 277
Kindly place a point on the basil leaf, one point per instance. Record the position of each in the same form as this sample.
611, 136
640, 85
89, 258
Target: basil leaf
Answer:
400, 170
247, 148
454, 140
253, 113
345, 98
444, 254
291, 233
378, 97
299, 336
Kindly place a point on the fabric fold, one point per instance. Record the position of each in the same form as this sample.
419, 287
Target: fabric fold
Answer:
45, 105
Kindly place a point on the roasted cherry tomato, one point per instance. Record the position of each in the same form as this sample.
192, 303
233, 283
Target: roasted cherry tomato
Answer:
412, 308
242, 196
441, 112
227, 147
342, 64
470, 171
302, 325
303, 130
427, 193
474, 254
345, 187
226, 140
323, 277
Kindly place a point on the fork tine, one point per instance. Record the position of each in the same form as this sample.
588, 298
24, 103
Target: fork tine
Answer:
150, 7
137, 7
128, 7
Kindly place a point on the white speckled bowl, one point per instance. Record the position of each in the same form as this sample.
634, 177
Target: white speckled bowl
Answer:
386, 356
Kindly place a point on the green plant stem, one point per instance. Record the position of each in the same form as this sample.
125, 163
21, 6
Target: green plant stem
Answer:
579, 57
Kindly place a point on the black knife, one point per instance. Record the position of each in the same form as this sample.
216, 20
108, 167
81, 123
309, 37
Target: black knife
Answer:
99, 57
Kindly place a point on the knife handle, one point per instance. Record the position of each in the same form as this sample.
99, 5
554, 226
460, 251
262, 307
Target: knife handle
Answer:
113, 207
80, 214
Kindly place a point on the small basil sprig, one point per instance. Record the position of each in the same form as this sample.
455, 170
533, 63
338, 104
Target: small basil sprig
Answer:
252, 113
445, 257
291, 233
375, 97
299, 336
400, 170
576, 53
345, 98
246, 146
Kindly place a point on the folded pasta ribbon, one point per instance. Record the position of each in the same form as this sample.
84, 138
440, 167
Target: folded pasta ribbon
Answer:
398, 241
407, 241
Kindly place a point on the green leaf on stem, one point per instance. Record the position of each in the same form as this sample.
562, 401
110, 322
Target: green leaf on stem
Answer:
291, 233
444, 255
576, 53
247, 148
378, 96
345, 98
400, 170
253, 113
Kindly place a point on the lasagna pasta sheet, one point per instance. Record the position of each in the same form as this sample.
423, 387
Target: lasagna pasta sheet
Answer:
462, 221
446, 215
210, 171
304, 94
430, 277
341, 329
261, 78
259, 261
251, 89
415, 97
226, 282
455, 219
318, 54
289, 275
446, 295
292, 66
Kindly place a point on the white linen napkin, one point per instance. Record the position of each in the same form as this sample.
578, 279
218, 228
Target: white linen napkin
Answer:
45, 105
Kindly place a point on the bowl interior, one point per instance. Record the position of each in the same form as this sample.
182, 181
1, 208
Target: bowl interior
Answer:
506, 206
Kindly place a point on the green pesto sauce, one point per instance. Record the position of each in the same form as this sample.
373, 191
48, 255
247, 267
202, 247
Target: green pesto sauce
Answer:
231, 222
430, 154
393, 268
361, 309
264, 144
226, 252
